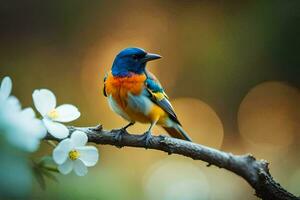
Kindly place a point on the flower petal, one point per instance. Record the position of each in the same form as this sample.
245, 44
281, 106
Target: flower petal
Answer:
79, 168
66, 167
56, 129
5, 88
40, 129
88, 155
14, 103
79, 138
61, 151
21, 128
28, 112
44, 100
67, 113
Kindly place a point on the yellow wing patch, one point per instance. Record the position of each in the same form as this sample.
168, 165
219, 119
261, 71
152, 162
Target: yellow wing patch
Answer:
158, 95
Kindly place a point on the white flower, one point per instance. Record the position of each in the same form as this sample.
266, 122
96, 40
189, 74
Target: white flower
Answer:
5, 88
45, 102
26, 130
71, 153
19, 127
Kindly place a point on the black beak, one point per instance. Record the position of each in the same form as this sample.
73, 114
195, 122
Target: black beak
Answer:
151, 56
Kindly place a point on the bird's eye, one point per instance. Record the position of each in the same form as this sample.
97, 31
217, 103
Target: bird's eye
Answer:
135, 57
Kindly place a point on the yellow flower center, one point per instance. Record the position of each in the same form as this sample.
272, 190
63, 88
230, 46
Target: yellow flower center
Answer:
74, 155
53, 114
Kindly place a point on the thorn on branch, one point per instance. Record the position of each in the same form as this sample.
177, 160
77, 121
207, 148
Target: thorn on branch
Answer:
99, 127
250, 157
265, 165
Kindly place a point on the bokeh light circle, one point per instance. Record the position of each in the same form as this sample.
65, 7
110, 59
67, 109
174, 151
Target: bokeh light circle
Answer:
200, 121
269, 115
172, 179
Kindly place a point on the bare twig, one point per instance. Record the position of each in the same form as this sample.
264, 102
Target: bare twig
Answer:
255, 172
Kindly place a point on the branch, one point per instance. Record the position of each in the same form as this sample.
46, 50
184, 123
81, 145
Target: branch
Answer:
255, 172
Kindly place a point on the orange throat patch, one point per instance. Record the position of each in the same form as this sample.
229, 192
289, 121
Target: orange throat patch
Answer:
119, 87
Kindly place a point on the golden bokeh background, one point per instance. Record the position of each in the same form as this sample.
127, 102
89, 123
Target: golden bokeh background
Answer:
232, 72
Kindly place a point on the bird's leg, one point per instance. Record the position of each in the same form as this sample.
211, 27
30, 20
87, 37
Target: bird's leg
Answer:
147, 135
122, 131
128, 125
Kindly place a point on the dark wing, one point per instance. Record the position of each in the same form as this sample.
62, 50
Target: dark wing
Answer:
158, 96
104, 88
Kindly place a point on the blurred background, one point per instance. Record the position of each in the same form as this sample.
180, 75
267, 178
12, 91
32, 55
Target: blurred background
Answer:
232, 71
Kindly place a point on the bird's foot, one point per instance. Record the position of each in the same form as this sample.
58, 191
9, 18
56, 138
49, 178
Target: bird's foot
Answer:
146, 137
119, 134
124, 129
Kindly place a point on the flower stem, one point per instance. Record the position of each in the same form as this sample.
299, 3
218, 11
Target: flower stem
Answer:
51, 143
51, 168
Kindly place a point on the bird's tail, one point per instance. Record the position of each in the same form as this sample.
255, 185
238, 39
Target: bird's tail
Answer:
178, 132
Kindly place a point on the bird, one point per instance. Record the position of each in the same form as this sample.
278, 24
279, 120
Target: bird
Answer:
136, 95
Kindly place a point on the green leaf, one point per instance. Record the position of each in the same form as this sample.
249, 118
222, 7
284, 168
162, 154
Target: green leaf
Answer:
43, 169
39, 177
50, 176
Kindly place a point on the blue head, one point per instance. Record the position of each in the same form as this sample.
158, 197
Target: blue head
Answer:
132, 60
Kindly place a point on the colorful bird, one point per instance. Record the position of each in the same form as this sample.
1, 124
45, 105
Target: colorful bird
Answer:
136, 95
